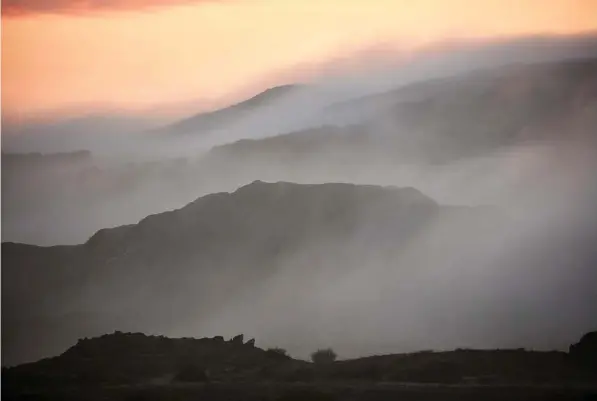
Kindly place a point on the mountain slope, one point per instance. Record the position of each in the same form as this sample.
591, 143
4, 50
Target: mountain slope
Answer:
304, 266
446, 119
212, 120
188, 259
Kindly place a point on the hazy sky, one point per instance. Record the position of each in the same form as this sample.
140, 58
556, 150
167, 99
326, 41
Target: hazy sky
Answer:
129, 54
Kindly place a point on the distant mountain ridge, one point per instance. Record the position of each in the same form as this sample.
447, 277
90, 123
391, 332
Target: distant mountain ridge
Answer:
215, 119
449, 118
427, 124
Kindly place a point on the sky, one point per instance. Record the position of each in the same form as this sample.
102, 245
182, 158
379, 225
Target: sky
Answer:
65, 56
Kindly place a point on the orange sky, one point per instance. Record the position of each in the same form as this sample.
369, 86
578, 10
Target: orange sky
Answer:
147, 56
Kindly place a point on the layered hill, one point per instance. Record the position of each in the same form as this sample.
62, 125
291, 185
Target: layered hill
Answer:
303, 266
195, 260
292, 259
445, 119
435, 122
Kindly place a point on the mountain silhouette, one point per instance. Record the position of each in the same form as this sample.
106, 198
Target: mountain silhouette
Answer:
234, 239
286, 260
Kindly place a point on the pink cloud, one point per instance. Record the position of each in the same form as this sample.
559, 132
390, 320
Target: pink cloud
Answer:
25, 7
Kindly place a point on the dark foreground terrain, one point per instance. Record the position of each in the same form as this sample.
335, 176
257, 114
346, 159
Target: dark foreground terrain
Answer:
316, 392
133, 366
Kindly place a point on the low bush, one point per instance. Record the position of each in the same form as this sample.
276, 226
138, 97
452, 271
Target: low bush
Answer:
323, 356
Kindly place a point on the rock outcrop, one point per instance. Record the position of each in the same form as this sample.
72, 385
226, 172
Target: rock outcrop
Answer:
237, 339
130, 358
584, 352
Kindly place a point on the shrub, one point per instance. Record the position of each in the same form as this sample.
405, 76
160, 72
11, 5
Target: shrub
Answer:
322, 356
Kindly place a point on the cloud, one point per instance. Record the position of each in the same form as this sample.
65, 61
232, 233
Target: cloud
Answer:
24, 7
